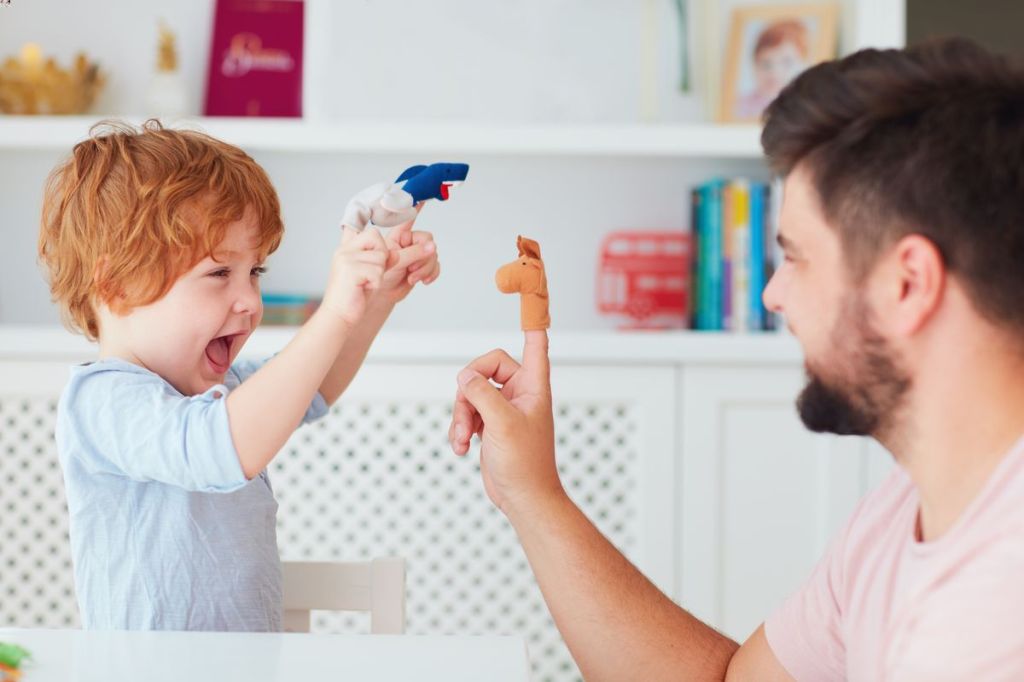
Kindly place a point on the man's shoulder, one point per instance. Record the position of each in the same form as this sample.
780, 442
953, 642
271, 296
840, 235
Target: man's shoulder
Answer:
891, 500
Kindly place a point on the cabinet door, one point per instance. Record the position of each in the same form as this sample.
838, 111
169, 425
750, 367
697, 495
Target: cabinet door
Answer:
376, 477
761, 495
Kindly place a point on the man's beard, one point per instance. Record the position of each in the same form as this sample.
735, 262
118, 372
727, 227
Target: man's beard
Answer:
864, 399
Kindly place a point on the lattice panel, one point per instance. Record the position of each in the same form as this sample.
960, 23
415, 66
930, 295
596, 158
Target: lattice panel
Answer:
373, 478
37, 587
378, 478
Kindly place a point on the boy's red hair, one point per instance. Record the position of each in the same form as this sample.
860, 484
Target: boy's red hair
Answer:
133, 209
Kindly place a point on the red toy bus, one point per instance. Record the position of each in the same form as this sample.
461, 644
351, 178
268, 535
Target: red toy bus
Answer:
645, 276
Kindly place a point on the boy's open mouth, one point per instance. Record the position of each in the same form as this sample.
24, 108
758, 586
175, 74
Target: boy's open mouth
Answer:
218, 352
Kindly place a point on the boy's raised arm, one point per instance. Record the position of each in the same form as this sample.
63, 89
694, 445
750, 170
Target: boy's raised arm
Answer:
266, 409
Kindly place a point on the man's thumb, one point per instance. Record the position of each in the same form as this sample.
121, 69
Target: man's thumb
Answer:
483, 396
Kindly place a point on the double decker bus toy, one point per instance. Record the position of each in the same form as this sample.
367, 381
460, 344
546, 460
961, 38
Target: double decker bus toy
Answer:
644, 276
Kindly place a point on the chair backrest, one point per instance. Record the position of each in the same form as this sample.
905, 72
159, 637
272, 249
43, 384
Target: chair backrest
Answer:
377, 586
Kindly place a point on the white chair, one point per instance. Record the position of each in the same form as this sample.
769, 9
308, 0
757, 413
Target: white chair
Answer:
377, 586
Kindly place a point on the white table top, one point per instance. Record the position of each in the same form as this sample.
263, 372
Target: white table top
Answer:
95, 656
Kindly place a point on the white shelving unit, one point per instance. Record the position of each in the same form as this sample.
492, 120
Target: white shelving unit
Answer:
285, 135
570, 348
568, 182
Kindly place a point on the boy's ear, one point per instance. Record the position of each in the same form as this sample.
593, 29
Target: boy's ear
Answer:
106, 292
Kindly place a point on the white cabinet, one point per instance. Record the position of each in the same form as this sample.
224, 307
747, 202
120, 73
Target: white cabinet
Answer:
760, 495
685, 450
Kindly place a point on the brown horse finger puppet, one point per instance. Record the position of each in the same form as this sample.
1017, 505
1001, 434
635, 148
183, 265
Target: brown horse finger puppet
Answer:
526, 276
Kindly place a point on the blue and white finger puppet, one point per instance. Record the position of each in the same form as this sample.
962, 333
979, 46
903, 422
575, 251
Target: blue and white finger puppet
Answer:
387, 204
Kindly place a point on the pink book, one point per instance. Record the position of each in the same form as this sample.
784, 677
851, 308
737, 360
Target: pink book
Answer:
255, 59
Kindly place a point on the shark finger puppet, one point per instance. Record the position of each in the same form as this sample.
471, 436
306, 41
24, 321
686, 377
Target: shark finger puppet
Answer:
387, 204
525, 276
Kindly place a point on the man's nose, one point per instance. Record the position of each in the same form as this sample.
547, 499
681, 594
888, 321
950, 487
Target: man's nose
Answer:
771, 295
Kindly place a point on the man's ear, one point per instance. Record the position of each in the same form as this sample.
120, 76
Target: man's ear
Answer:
916, 283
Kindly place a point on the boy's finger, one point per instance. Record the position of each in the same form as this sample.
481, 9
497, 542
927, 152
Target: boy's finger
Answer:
423, 272
348, 233
403, 258
432, 277
372, 257
401, 234
369, 239
419, 236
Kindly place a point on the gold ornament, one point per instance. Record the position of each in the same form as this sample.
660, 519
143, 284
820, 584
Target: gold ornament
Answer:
167, 53
31, 85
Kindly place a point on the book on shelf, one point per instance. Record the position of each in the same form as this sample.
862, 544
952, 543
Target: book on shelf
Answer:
733, 256
255, 65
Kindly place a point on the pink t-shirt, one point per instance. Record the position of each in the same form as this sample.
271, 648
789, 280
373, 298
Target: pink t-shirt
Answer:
881, 606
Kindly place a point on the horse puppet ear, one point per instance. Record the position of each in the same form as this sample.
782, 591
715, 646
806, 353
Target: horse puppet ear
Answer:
528, 247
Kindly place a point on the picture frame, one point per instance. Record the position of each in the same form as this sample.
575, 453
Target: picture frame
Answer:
768, 46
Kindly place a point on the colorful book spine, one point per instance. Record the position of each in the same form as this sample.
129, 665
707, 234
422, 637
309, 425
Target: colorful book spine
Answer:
740, 290
711, 253
757, 258
733, 254
728, 254
772, 251
696, 307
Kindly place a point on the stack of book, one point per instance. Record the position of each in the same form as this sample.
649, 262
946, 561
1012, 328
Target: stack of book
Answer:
733, 255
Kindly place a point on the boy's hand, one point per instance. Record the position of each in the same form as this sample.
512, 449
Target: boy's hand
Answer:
357, 270
412, 258
514, 422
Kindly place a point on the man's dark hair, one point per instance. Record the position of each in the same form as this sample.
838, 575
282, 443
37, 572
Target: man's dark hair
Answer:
926, 140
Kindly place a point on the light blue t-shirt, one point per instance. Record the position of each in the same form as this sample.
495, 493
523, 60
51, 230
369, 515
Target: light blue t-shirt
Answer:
166, 532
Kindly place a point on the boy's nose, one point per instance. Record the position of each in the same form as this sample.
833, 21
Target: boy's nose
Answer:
247, 301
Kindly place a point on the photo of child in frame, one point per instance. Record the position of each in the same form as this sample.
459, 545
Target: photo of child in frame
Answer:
768, 46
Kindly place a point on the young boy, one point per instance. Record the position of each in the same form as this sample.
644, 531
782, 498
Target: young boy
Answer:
154, 241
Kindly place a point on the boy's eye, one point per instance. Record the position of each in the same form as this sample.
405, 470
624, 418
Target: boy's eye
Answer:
259, 271
223, 272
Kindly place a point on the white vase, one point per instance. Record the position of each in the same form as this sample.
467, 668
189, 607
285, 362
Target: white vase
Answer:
166, 95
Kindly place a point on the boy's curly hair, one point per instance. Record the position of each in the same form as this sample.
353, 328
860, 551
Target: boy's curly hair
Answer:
133, 209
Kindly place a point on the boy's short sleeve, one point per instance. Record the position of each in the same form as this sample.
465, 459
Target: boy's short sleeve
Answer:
130, 422
243, 369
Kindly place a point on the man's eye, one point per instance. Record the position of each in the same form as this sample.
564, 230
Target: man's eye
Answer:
259, 271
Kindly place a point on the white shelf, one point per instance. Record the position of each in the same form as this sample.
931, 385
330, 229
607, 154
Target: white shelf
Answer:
285, 135
51, 342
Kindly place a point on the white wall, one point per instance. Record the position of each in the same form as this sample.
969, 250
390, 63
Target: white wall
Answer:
526, 61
